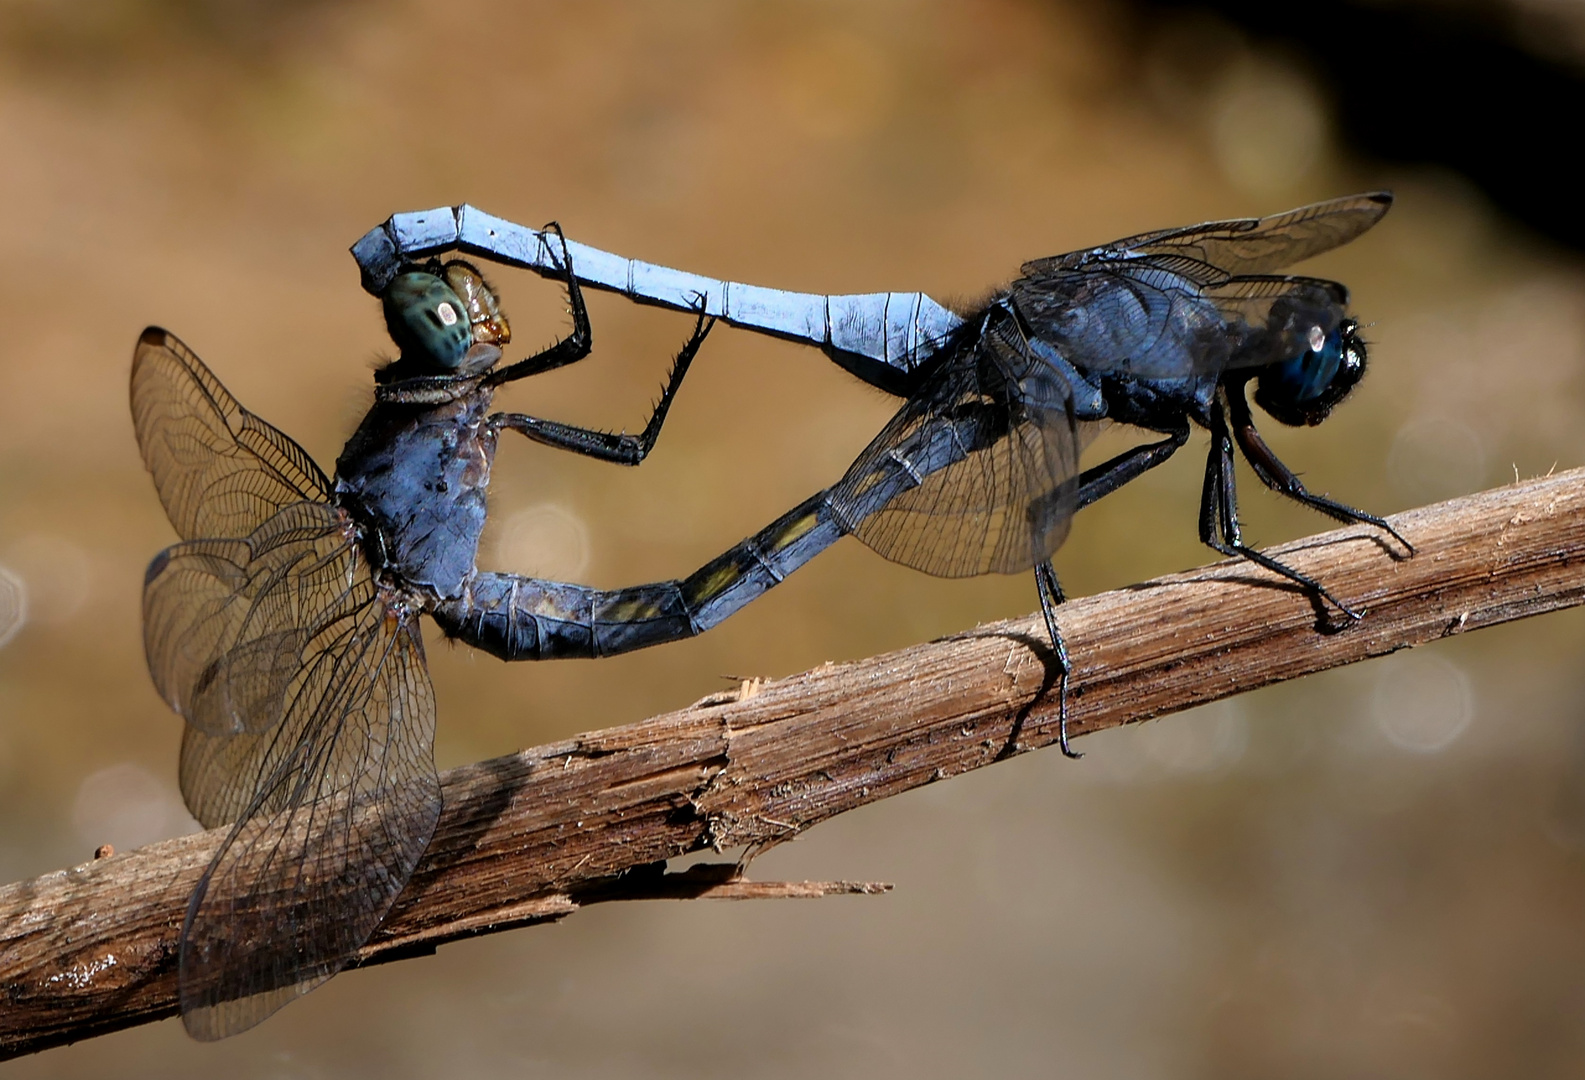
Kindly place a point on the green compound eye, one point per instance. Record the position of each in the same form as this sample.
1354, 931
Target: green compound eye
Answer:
427, 320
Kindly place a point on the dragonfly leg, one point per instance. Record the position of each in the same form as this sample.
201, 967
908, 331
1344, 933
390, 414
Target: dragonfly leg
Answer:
1050, 590
570, 349
622, 449
1131, 464
1219, 525
523, 618
1279, 478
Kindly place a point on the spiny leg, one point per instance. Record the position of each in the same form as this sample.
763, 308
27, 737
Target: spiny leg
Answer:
1279, 478
1131, 464
1094, 484
570, 349
521, 618
1050, 591
622, 449
1219, 524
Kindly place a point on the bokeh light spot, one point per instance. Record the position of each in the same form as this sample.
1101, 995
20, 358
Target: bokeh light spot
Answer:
1436, 457
546, 541
1422, 703
59, 576
1268, 127
126, 806
13, 605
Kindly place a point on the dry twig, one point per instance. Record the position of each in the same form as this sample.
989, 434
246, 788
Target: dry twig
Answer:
535, 835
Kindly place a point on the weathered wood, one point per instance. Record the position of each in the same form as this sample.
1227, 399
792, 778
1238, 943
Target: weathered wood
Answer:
535, 835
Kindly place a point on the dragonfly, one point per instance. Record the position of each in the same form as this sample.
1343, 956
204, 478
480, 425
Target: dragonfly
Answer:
284, 626
979, 471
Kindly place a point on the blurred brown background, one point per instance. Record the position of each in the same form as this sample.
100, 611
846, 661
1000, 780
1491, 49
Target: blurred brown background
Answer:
1377, 872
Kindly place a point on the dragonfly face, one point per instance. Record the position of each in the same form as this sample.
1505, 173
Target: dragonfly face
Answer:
289, 642
1303, 391
445, 319
427, 321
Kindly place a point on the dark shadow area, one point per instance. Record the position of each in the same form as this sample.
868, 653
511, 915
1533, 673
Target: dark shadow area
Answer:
1050, 679
1326, 620
1451, 85
463, 822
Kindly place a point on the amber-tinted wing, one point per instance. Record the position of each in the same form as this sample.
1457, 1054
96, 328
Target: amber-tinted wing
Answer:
220, 470
977, 473
311, 724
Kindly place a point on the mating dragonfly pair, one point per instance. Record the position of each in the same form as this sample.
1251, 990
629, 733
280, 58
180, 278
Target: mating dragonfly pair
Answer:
283, 627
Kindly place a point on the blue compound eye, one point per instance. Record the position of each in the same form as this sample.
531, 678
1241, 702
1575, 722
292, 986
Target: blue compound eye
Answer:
1306, 377
427, 320
1302, 391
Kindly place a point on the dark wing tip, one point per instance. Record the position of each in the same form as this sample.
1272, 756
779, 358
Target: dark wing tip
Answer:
1379, 203
1382, 199
157, 567
153, 339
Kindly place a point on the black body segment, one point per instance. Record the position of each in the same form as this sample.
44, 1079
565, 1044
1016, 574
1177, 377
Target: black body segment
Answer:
978, 472
1161, 331
284, 630
522, 618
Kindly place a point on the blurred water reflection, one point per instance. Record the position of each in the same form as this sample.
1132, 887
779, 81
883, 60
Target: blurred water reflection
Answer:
1270, 886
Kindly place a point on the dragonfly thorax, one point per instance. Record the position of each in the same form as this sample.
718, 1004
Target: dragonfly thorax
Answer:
413, 479
1302, 392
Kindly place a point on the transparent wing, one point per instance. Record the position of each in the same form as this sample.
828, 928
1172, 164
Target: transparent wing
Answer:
1242, 246
311, 724
1192, 301
1143, 317
220, 470
225, 623
977, 473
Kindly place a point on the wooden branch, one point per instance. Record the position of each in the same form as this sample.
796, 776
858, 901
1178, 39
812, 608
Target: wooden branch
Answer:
535, 835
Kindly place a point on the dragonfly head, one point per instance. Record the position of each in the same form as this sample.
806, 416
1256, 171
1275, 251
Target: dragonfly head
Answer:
1304, 390
441, 315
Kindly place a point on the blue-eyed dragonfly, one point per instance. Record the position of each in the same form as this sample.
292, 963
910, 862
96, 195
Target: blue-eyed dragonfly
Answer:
979, 471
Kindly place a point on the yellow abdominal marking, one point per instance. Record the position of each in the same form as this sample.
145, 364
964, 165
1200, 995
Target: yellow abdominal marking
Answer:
871, 478
632, 611
794, 530
548, 607
713, 585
